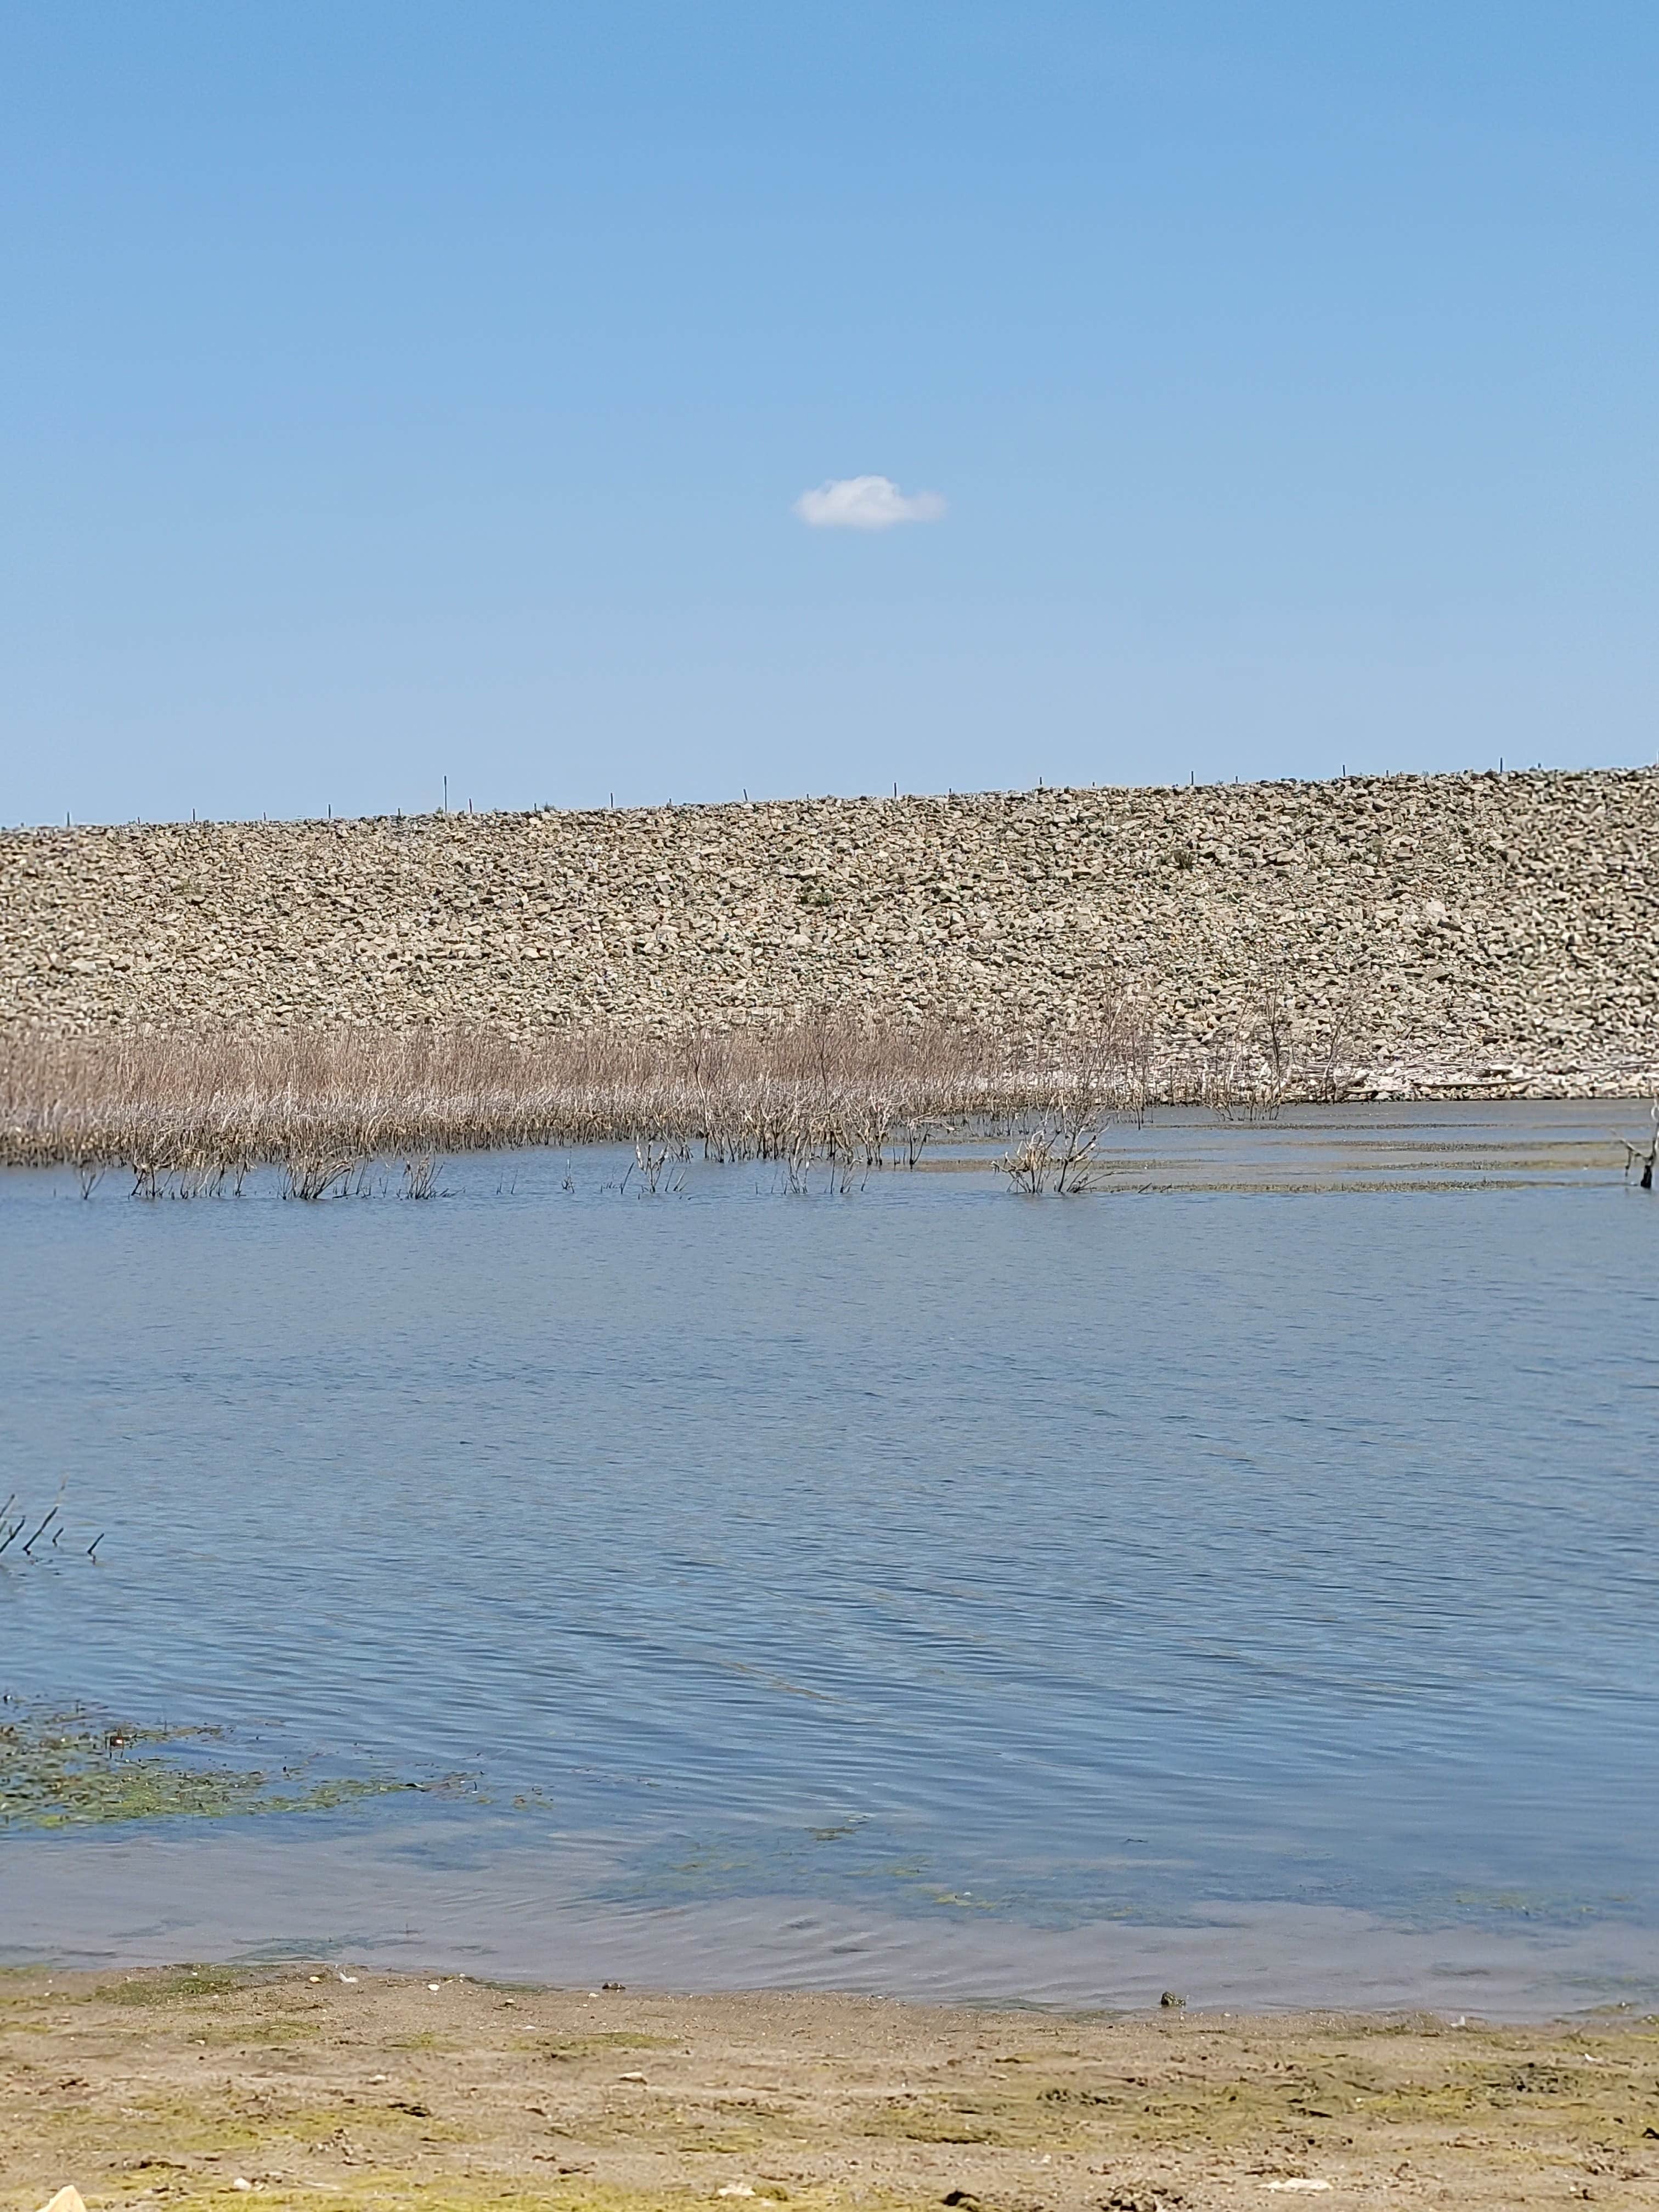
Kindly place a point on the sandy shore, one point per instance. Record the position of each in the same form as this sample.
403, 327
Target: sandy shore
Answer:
334, 2086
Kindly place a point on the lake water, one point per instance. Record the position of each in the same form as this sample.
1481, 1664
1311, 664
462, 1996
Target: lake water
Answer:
1242, 1581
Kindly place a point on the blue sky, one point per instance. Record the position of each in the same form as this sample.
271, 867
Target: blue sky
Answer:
396, 390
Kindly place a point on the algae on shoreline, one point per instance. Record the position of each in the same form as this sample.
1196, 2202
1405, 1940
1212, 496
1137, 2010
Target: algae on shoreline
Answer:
63, 1770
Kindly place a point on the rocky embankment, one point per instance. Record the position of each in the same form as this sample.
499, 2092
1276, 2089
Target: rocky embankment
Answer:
1477, 933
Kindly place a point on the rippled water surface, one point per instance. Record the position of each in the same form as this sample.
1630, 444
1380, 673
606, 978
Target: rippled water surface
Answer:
1244, 1579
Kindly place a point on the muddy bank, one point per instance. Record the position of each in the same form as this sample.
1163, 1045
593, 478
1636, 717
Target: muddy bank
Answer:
327, 2084
1488, 934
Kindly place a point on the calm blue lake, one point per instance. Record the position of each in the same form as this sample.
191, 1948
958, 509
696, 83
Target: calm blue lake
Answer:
1243, 1580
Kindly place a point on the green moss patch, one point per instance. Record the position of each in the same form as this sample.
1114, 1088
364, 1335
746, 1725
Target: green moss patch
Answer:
189, 1982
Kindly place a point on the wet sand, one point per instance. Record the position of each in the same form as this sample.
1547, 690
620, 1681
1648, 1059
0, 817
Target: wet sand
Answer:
333, 2085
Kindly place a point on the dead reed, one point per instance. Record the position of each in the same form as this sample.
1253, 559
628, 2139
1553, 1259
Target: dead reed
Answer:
196, 1110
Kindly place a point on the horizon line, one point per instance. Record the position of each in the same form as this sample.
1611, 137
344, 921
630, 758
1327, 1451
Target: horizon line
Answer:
329, 819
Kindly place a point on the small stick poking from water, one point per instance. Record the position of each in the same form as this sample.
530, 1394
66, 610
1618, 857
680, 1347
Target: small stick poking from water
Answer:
1648, 1157
29, 1547
92, 1548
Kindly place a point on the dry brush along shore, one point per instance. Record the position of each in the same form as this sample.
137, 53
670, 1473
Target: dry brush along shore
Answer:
1488, 934
333, 2085
192, 1114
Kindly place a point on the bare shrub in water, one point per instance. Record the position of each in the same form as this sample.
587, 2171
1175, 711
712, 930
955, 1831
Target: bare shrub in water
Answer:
1029, 1166
1087, 1076
421, 1177
312, 1175
653, 1160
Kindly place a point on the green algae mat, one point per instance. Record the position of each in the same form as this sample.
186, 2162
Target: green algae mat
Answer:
73, 1769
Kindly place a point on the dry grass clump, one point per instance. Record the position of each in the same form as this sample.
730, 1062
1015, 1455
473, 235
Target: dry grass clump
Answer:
198, 1109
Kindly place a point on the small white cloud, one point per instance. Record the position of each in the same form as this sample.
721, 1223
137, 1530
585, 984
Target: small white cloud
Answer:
866, 503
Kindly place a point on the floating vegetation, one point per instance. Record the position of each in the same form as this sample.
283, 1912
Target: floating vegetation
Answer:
66, 1770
